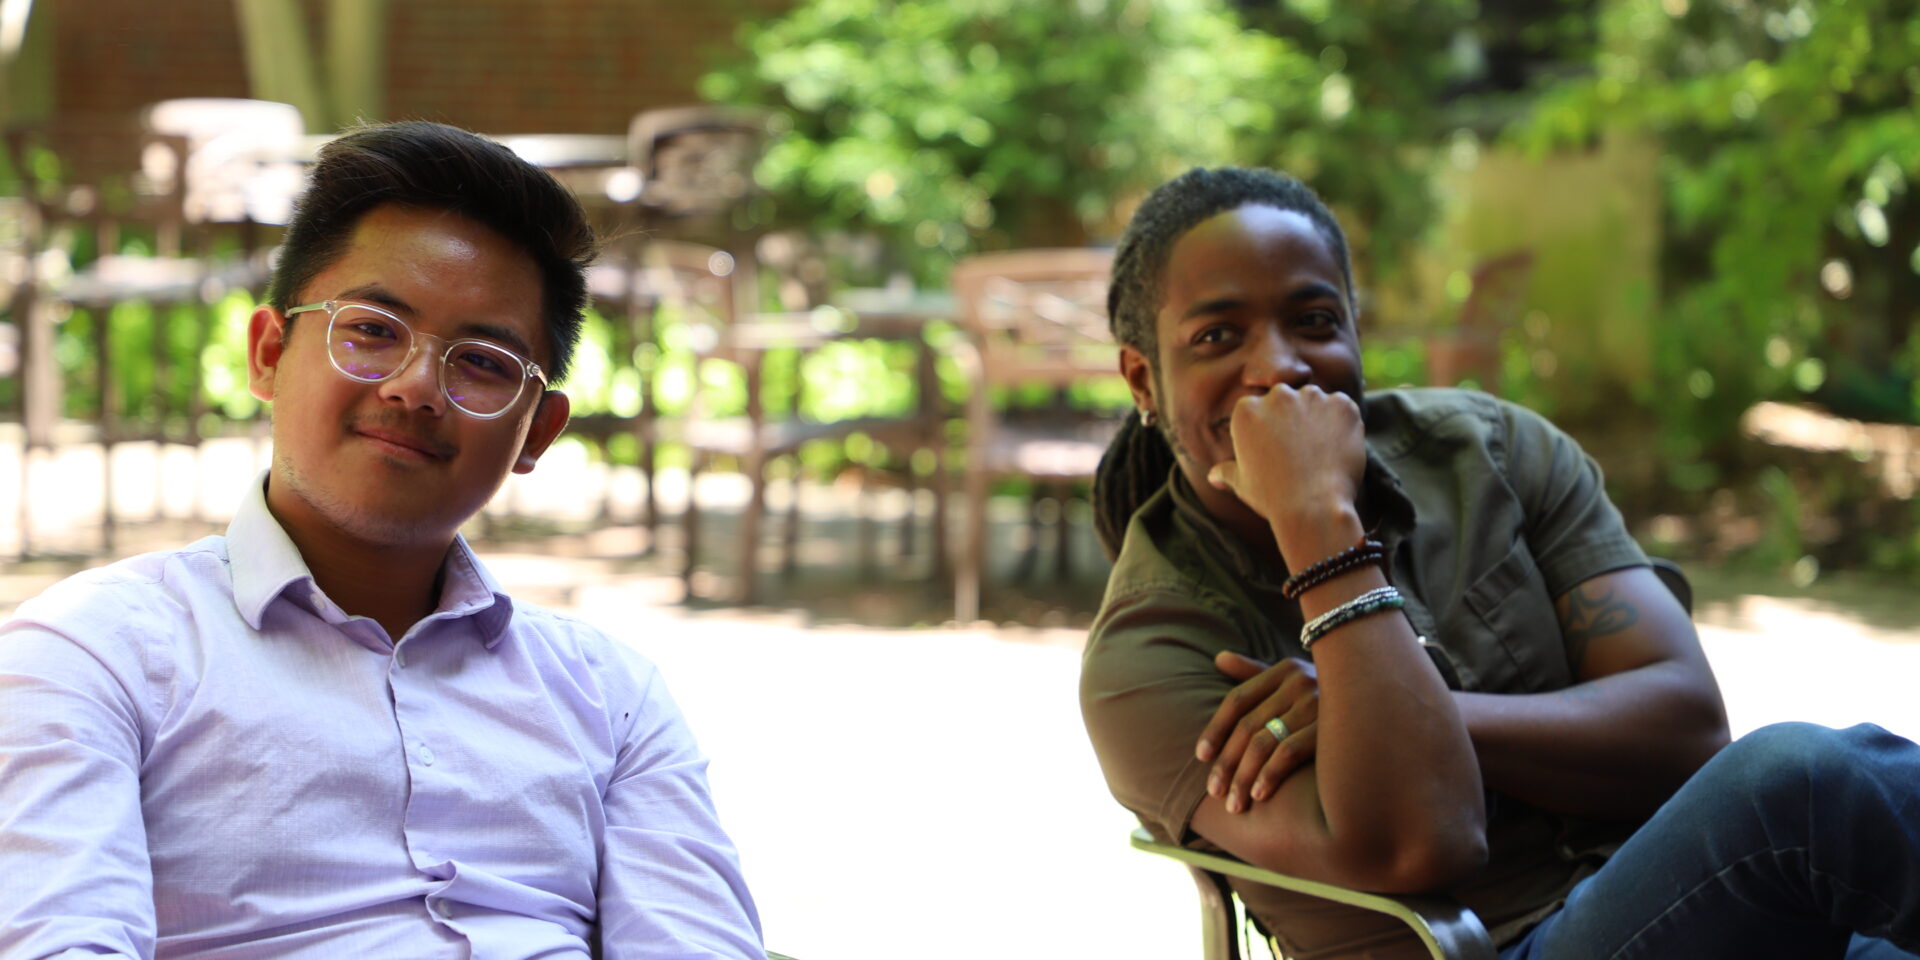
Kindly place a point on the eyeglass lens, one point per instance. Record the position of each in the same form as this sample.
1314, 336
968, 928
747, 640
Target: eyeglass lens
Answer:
367, 345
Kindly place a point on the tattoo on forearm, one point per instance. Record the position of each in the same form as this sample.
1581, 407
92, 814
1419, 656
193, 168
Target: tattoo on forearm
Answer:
1590, 616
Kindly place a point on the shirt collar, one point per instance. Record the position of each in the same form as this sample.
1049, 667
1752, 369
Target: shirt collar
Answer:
265, 563
263, 558
469, 590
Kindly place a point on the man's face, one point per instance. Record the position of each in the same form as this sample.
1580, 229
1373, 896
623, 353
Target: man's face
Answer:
393, 463
1252, 298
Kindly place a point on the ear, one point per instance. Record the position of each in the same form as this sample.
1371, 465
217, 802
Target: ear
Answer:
266, 341
1138, 372
549, 418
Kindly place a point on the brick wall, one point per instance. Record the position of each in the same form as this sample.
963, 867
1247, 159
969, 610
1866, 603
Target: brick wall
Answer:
499, 66
112, 56
516, 66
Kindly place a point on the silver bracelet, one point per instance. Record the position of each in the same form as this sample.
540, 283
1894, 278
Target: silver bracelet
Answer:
1377, 600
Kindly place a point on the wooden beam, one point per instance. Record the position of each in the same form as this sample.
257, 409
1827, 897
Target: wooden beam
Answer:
280, 58
357, 61
26, 61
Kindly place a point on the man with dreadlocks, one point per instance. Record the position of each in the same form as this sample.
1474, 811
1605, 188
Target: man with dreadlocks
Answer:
1478, 685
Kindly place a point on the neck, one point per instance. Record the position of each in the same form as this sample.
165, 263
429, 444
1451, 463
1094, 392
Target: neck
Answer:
395, 585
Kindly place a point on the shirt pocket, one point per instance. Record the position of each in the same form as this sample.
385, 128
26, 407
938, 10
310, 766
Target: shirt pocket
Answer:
1514, 632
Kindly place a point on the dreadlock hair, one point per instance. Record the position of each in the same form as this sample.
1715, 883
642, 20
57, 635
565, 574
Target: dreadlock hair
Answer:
1139, 458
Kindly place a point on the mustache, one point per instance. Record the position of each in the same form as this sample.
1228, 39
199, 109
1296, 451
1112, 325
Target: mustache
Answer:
404, 429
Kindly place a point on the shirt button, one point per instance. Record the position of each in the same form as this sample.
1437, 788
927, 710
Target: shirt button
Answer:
400, 656
426, 755
445, 908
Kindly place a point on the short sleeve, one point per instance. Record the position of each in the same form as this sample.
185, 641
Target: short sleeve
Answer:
1148, 686
670, 879
1574, 532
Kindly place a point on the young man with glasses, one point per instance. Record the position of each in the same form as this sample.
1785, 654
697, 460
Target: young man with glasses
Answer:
329, 733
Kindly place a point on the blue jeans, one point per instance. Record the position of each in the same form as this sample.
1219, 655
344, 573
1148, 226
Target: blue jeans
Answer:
1786, 844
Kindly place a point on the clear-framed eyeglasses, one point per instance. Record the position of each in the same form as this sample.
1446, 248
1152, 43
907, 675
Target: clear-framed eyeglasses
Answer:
369, 344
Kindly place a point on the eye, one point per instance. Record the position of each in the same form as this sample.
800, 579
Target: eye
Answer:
481, 361
1318, 321
1215, 334
373, 329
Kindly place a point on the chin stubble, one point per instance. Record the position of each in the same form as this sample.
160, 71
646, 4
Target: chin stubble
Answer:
346, 517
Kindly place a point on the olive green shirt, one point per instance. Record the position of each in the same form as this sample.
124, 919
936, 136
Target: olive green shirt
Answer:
1488, 513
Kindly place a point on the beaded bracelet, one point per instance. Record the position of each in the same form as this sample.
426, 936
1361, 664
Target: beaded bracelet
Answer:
1377, 600
1359, 555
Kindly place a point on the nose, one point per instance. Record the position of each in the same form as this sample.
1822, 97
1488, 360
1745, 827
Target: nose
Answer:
1273, 359
416, 385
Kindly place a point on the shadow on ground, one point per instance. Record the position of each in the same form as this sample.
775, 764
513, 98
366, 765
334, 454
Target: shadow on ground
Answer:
831, 582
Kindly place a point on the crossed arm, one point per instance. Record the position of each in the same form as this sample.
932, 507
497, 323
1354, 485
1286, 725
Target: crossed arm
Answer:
1392, 799
1642, 716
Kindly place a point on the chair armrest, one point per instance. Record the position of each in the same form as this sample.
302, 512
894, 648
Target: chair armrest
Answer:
1449, 931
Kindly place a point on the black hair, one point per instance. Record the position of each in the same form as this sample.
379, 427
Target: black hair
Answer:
1139, 459
437, 167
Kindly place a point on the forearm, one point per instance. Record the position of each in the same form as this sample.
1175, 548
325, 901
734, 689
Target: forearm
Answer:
670, 878
1398, 782
1616, 746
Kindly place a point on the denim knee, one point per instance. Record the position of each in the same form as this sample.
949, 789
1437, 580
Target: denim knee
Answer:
1792, 756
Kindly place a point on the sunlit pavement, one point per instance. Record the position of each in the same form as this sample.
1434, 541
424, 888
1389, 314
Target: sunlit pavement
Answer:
930, 793
925, 794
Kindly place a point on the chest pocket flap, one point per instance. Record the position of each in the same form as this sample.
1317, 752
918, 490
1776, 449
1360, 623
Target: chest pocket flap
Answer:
1512, 641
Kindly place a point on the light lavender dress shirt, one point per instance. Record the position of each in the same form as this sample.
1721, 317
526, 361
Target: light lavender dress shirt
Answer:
203, 756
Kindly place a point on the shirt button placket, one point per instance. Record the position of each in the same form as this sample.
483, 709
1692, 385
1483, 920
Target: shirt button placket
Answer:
414, 732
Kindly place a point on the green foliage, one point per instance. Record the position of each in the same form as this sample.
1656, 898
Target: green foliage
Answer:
1389, 84
957, 125
1393, 363
223, 366
1791, 135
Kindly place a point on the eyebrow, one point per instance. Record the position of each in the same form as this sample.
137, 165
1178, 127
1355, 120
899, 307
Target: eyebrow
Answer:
1309, 291
377, 294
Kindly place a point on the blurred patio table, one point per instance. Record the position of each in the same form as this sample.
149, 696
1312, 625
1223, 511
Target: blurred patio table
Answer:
547, 150
887, 310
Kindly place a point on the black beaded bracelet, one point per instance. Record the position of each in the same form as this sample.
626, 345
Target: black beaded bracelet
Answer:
1359, 555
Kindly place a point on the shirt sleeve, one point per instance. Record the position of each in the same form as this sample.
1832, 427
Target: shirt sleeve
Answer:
670, 881
74, 875
1148, 686
1573, 530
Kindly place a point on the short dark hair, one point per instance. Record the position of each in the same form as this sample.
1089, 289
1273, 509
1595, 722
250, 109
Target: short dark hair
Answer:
1139, 460
437, 167
1179, 205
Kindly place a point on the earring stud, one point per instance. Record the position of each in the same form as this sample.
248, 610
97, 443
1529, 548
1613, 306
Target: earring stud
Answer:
1148, 418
